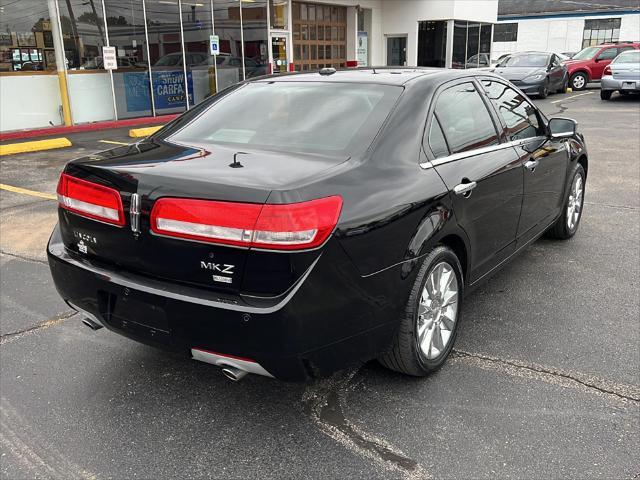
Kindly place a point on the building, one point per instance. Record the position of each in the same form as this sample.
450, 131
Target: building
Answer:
51, 51
563, 26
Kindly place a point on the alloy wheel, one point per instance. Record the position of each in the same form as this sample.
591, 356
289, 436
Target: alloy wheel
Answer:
438, 311
574, 205
578, 82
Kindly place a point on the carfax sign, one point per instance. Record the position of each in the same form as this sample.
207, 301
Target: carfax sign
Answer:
168, 90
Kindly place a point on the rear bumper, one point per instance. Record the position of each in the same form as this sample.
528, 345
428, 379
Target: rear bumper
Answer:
609, 83
331, 318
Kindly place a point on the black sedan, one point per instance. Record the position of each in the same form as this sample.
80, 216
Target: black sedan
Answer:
535, 73
290, 226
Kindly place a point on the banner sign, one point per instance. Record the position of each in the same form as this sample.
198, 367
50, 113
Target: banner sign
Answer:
363, 49
168, 90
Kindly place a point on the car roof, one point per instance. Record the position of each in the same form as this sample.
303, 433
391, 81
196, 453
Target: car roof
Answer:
378, 75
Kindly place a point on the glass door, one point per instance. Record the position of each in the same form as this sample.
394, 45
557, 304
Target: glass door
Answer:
279, 62
397, 51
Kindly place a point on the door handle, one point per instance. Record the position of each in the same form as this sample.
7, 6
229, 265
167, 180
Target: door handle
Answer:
464, 189
531, 165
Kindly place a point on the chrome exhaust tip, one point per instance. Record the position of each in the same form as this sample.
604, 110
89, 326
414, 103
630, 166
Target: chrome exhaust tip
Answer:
232, 373
91, 324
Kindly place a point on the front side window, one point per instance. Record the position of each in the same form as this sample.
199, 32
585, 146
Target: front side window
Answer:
520, 117
464, 118
307, 117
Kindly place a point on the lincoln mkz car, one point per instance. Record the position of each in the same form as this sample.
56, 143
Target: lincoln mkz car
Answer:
291, 226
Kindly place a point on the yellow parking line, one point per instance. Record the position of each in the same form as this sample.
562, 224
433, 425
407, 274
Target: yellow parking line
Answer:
34, 146
573, 96
24, 191
144, 132
113, 142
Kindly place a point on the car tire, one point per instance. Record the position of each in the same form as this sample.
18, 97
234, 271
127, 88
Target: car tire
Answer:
567, 224
544, 90
564, 87
579, 81
605, 94
424, 339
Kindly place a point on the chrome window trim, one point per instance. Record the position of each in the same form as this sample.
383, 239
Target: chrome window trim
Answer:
478, 151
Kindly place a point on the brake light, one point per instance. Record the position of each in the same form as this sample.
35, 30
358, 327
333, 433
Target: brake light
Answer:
90, 200
607, 70
292, 226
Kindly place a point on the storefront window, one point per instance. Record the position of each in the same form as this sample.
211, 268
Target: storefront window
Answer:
256, 51
471, 45
125, 21
432, 44
228, 28
196, 25
26, 41
82, 33
459, 56
279, 14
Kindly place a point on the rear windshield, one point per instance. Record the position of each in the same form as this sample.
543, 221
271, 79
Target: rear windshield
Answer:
526, 60
628, 57
336, 119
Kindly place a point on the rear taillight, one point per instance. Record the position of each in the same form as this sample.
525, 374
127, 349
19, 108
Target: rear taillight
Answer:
90, 200
607, 70
292, 226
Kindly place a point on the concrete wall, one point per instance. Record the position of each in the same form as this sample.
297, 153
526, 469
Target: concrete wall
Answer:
29, 101
560, 34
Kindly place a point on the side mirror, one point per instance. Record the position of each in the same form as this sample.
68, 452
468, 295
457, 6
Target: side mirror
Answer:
562, 127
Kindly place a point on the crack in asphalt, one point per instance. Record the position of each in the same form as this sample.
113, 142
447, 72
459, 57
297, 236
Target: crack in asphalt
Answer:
626, 393
23, 257
323, 403
628, 207
10, 337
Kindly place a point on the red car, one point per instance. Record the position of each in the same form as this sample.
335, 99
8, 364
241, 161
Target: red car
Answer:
588, 64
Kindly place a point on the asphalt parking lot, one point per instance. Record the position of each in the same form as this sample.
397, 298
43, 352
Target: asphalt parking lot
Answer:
544, 381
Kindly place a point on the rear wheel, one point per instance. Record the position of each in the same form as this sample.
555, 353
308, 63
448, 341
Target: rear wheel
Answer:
605, 94
579, 81
567, 225
430, 323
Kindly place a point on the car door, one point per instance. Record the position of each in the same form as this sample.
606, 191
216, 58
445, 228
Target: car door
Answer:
484, 176
603, 59
556, 73
544, 160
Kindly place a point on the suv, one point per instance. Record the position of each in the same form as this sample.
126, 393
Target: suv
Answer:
588, 64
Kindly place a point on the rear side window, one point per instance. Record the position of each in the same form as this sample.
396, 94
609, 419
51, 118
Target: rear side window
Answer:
464, 118
437, 143
520, 117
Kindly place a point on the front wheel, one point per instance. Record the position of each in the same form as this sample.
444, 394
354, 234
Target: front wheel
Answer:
567, 225
544, 90
605, 94
579, 81
563, 88
430, 322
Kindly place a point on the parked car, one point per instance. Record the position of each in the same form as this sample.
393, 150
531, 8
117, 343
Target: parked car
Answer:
535, 73
568, 55
589, 63
294, 225
621, 75
175, 59
252, 67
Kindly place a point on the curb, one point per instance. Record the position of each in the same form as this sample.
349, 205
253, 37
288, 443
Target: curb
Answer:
144, 132
87, 127
34, 146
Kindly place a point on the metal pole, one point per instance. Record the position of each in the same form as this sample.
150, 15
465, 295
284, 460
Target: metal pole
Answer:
146, 38
184, 57
106, 37
215, 57
244, 75
61, 66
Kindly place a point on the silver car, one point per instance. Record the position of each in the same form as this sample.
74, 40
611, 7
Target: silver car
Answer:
622, 75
